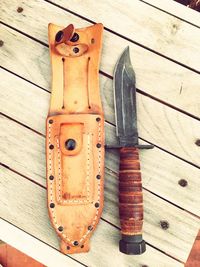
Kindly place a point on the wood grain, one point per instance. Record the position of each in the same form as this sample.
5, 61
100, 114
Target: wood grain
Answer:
176, 85
31, 216
28, 101
34, 247
15, 258
163, 33
177, 10
194, 256
170, 129
179, 239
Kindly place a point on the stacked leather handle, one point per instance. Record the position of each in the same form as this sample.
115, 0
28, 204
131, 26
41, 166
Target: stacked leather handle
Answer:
75, 136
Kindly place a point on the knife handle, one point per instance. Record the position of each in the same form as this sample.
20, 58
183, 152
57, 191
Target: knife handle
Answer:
130, 202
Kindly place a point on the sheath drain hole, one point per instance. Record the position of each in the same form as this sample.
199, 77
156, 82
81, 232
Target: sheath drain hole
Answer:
92, 41
82, 246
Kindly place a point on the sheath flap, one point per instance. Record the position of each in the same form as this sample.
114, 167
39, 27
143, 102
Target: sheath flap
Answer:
75, 152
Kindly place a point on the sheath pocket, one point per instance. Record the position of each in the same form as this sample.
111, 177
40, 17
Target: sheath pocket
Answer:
75, 153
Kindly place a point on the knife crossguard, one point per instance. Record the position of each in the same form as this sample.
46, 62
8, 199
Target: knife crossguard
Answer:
130, 202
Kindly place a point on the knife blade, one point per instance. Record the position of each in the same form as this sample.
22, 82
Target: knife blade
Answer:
130, 182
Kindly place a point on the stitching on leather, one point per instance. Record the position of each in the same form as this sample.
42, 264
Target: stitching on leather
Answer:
51, 189
98, 188
87, 176
59, 172
99, 182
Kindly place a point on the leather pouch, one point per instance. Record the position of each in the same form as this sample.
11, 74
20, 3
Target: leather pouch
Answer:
75, 136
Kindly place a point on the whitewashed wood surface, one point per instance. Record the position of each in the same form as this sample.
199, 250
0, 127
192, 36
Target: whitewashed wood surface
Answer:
168, 116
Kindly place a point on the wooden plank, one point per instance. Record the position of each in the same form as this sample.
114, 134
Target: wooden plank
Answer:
179, 239
177, 10
170, 129
163, 79
29, 105
15, 258
32, 217
29, 244
162, 32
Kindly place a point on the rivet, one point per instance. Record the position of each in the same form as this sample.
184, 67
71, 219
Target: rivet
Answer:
75, 37
98, 176
1, 43
96, 204
98, 119
20, 9
52, 205
98, 145
75, 243
82, 246
197, 142
183, 182
164, 225
70, 144
90, 227
51, 177
51, 146
60, 228
68, 247
76, 50
59, 36
50, 121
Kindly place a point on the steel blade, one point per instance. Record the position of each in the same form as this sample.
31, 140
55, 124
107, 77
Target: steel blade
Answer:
125, 101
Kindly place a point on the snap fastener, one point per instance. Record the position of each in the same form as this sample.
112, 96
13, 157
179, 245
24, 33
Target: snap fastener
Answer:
70, 144
59, 36
75, 37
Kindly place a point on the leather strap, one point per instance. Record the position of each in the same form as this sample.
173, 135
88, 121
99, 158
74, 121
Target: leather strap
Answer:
75, 136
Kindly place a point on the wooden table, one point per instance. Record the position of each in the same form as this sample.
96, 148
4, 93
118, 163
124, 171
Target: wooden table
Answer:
164, 40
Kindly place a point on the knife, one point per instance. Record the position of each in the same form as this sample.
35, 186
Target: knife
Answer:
130, 183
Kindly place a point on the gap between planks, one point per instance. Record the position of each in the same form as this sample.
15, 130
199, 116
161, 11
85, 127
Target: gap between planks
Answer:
171, 12
19, 83
177, 10
148, 194
96, 234
73, 12
149, 95
44, 253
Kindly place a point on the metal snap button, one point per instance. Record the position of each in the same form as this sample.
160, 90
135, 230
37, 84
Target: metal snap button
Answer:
70, 144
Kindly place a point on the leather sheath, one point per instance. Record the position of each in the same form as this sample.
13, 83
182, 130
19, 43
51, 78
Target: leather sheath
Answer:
75, 136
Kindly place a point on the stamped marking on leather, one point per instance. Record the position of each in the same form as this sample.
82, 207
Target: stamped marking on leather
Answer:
53, 181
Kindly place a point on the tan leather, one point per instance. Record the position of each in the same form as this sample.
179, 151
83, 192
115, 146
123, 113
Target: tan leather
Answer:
75, 177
